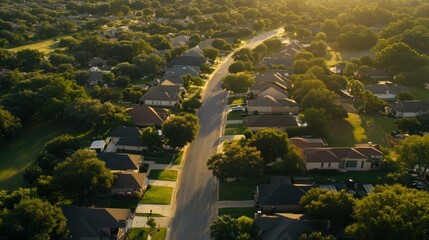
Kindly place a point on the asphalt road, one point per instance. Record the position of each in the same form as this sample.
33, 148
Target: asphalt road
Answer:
197, 191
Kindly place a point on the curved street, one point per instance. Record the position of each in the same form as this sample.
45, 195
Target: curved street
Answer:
197, 192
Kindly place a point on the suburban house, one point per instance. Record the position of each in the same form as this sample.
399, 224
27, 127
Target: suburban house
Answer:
97, 62
411, 108
87, 223
174, 74
280, 196
338, 68
268, 104
143, 115
362, 157
98, 145
385, 91
287, 226
164, 95
179, 41
119, 162
95, 76
128, 183
125, 138
285, 56
303, 143
256, 122
192, 57
270, 78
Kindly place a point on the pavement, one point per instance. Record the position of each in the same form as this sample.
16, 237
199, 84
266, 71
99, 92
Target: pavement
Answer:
195, 203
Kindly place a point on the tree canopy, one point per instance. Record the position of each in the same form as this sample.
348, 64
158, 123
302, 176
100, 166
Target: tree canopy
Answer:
238, 82
272, 143
226, 227
413, 152
180, 130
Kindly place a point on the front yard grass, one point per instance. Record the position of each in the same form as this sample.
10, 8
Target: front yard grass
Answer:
240, 190
178, 158
238, 212
360, 129
167, 175
157, 195
159, 157
235, 116
235, 101
234, 129
141, 234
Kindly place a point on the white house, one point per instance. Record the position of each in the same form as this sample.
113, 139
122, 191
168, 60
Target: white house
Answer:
411, 108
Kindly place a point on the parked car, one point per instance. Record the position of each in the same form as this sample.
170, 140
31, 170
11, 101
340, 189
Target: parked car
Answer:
237, 108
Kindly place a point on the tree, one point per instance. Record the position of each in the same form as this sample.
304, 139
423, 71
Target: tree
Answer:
371, 103
303, 88
272, 143
355, 88
329, 205
315, 236
399, 57
318, 48
226, 227
63, 145
211, 53
9, 124
391, 212
402, 96
413, 152
151, 138
316, 120
236, 162
34, 219
323, 99
180, 130
238, 82
29, 59
219, 43
82, 174
151, 222
191, 104
149, 64
237, 66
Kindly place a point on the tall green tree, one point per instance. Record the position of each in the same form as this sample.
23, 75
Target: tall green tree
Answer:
211, 53
413, 152
272, 143
180, 130
238, 82
399, 57
151, 138
82, 174
392, 212
226, 227
9, 124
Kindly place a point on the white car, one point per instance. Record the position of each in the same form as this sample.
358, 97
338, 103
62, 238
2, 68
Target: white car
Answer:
237, 108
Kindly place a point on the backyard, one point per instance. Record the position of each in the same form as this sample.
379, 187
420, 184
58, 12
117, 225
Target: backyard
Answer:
166, 175
141, 233
21, 152
157, 195
235, 116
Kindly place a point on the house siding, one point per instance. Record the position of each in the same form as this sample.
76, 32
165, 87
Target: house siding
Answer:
160, 103
269, 110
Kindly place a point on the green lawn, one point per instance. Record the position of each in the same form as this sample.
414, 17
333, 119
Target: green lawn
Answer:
360, 129
419, 93
159, 157
21, 152
238, 212
157, 195
235, 116
141, 234
178, 158
240, 190
45, 47
338, 56
234, 129
167, 175
236, 101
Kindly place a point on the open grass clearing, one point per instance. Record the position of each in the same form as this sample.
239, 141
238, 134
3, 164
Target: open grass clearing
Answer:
234, 101
166, 175
420, 93
360, 129
46, 46
234, 129
19, 153
157, 195
238, 212
235, 116
142, 233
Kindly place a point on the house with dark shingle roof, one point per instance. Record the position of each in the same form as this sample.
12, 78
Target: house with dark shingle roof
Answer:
280, 196
285, 56
271, 105
411, 108
385, 91
121, 162
97, 223
128, 182
166, 94
143, 115
270, 79
256, 122
362, 157
125, 138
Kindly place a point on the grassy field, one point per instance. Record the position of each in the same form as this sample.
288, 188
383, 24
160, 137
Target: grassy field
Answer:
235, 116
419, 93
236, 101
238, 212
21, 152
141, 234
234, 129
335, 57
157, 195
240, 190
167, 175
46, 46
360, 129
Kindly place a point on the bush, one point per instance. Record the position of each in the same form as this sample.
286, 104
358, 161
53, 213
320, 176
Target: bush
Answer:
151, 222
137, 194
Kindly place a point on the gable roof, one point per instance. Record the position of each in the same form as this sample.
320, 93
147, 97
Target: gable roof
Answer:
273, 92
281, 192
303, 143
129, 180
187, 61
281, 121
128, 136
180, 70
167, 91
117, 161
179, 41
338, 154
269, 101
143, 115
85, 222
411, 106
384, 88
